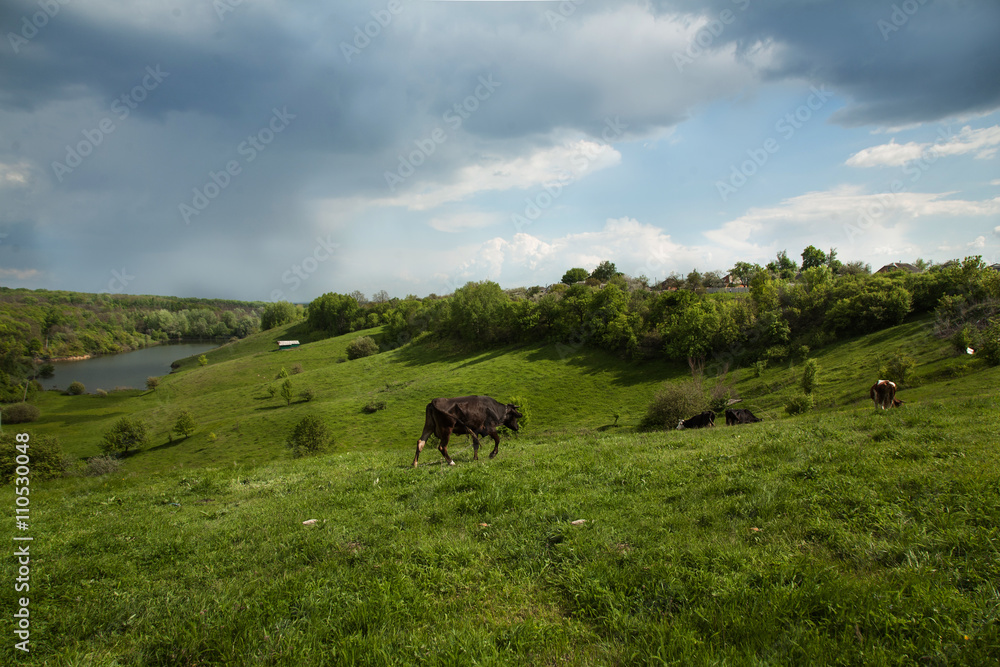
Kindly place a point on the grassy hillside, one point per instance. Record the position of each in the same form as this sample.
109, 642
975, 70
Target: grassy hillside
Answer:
229, 396
845, 535
566, 390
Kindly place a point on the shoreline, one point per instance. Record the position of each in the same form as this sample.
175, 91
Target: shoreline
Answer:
155, 343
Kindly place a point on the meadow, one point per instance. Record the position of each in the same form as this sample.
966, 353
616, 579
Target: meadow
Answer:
842, 536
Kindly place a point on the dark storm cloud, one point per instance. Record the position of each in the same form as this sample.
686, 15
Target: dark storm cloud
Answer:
897, 62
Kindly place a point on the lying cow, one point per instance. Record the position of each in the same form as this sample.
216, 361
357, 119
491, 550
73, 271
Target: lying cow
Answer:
706, 418
740, 416
468, 415
883, 393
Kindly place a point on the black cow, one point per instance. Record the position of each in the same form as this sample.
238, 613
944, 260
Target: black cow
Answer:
706, 418
740, 416
468, 415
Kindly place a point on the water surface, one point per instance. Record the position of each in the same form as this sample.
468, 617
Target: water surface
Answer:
129, 369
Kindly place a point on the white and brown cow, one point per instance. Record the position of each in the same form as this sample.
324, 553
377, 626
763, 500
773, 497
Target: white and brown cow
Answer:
883, 393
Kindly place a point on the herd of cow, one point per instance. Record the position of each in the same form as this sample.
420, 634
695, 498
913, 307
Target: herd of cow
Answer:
481, 416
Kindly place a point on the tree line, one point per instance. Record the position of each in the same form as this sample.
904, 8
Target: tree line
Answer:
37, 325
784, 308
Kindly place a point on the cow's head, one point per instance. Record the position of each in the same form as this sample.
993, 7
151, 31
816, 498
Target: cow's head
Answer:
510, 417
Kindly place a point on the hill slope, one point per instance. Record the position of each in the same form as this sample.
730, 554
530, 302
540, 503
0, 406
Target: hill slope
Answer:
566, 390
850, 532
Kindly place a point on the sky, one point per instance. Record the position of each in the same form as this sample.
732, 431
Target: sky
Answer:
267, 150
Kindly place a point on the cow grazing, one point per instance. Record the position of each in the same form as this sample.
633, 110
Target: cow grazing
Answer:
706, 418
740, 416
883, 393
468, 415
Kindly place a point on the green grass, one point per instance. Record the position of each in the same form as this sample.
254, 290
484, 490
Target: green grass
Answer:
843, 536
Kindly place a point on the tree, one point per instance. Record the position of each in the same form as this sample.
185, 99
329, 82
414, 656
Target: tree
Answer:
812, 256
809, 371
832, 261
286, 391
479, 313
605, 271
782, 267
309, 436
126, 434
75, 388
277, 313
742, 272
333, 313
152, 382
185, 424
693, 281
362, 347
574, 276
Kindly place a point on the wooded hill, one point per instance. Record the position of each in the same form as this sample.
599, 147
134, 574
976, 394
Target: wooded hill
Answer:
43, 324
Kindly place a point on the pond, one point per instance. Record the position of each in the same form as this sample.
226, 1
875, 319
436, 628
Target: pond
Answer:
129, 369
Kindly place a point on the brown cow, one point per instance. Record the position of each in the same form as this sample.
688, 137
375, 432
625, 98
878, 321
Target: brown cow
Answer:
467, 415
883, 393
740, 416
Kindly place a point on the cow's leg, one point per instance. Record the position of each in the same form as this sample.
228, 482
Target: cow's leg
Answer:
475, 447
420, 444
496, 446
443, 447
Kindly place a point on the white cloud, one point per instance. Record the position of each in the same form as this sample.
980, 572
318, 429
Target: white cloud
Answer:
20, 274
890, 154
850, 204
14, 175
458, 222
983, 142
561, 164
980, 242
635, 247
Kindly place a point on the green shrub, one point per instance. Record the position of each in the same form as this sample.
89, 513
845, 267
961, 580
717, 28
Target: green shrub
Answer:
20, 413
185, 425
373, 406
152, 382
989, 347
296, 369
963, 338
809, 371
286, 391
673, 402
212, 437
759, 367
100, 393
44, 453
307, 394
362, 347
203, 360
75, 389
309, 436
799, 404
897, 367
282, 374
102, 465
272, 390
126, 434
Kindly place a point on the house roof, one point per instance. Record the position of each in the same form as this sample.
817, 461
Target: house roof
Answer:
898, 266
